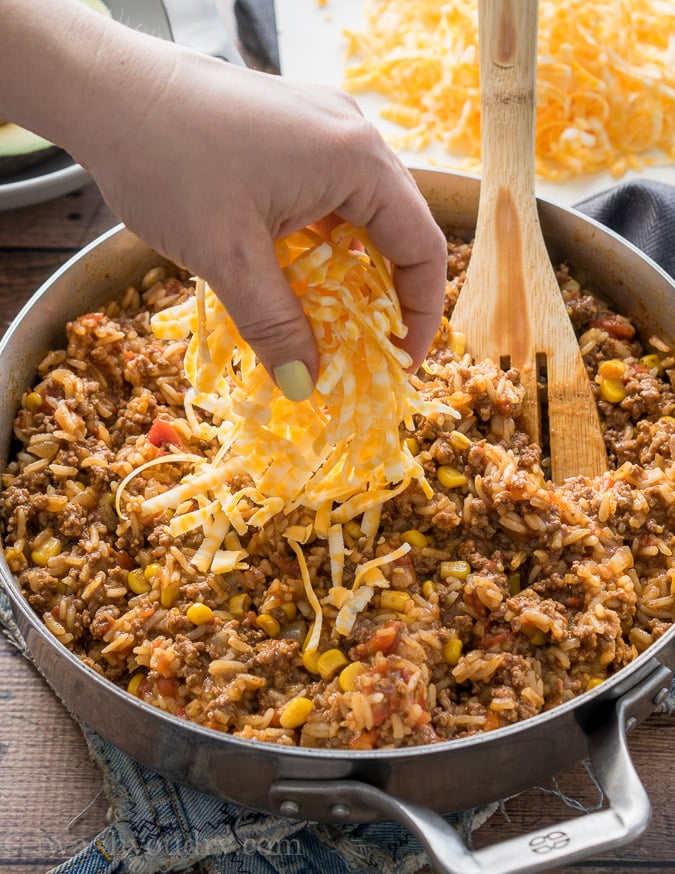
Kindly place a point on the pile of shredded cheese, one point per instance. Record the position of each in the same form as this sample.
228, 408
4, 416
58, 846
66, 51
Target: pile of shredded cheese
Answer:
605, 86
337, 454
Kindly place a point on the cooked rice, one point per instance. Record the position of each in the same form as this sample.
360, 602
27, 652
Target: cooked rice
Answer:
514, 597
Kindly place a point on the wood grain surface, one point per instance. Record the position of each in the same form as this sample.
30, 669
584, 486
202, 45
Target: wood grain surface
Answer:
52, 801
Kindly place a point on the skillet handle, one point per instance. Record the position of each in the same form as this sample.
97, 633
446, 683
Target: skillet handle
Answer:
625, 818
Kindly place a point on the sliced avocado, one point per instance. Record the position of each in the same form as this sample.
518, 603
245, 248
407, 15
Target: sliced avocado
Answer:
19, 148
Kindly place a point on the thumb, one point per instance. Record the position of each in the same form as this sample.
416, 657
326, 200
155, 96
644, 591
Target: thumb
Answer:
269, 316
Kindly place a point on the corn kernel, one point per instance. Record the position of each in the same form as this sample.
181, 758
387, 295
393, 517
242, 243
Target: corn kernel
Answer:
428, 588
268, 624
652, 362
56, 503
295, 713
134, 684
353, 529
452, 650
458, 569
169, 595
414, 537
290, 609
614, 368
49, 548
412, 445
392, 600
348, 676
450, 478
239, 603
150, 570
537, 638
199, 614
330, 662
459, 441
137, 582
593, 683
612, 390
32, 401
310, 660
457, 343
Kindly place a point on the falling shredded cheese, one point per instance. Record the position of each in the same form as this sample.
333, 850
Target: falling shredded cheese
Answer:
605, 80
338, 455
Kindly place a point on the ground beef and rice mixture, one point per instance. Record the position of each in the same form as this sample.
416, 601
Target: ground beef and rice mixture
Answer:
514, 597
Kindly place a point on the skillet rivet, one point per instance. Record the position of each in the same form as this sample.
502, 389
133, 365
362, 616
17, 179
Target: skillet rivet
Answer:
631, 722
661, 696
341, 810
289, 808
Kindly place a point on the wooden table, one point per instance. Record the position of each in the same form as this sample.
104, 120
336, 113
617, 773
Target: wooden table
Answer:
51, 798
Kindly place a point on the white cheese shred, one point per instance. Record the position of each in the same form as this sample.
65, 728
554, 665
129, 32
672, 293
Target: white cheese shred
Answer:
605, 80
338, 454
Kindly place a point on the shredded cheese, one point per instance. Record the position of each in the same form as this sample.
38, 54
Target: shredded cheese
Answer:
605, 80
338, 455
312, 640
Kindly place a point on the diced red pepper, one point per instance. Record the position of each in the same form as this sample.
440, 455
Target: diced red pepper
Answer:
162, 432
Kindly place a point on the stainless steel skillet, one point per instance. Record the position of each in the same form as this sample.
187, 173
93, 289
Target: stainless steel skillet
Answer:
412, 785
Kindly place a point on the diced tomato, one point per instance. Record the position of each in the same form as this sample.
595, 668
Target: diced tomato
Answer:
615, 327
365, 740
162, 432
167, 687
496, 639
144, 690
424, 719
382, 640
125, 561
474, 603
492, 721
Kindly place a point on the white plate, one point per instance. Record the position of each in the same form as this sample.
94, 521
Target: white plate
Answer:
312, 49
203, 30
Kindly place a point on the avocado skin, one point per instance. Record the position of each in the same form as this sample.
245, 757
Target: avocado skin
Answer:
21, 149
10, 165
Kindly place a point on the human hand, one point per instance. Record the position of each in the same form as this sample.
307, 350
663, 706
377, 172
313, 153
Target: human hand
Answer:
209, 163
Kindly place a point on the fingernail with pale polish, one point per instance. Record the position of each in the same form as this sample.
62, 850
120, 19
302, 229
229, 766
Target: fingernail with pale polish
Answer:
294, 380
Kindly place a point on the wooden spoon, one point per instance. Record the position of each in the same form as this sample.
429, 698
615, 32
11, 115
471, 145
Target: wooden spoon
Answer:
511, 309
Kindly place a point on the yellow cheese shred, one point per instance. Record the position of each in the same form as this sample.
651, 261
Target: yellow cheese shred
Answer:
337, 455
605, 80
311, 643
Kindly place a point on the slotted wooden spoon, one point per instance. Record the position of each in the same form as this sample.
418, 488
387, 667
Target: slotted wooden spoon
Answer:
510, 308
